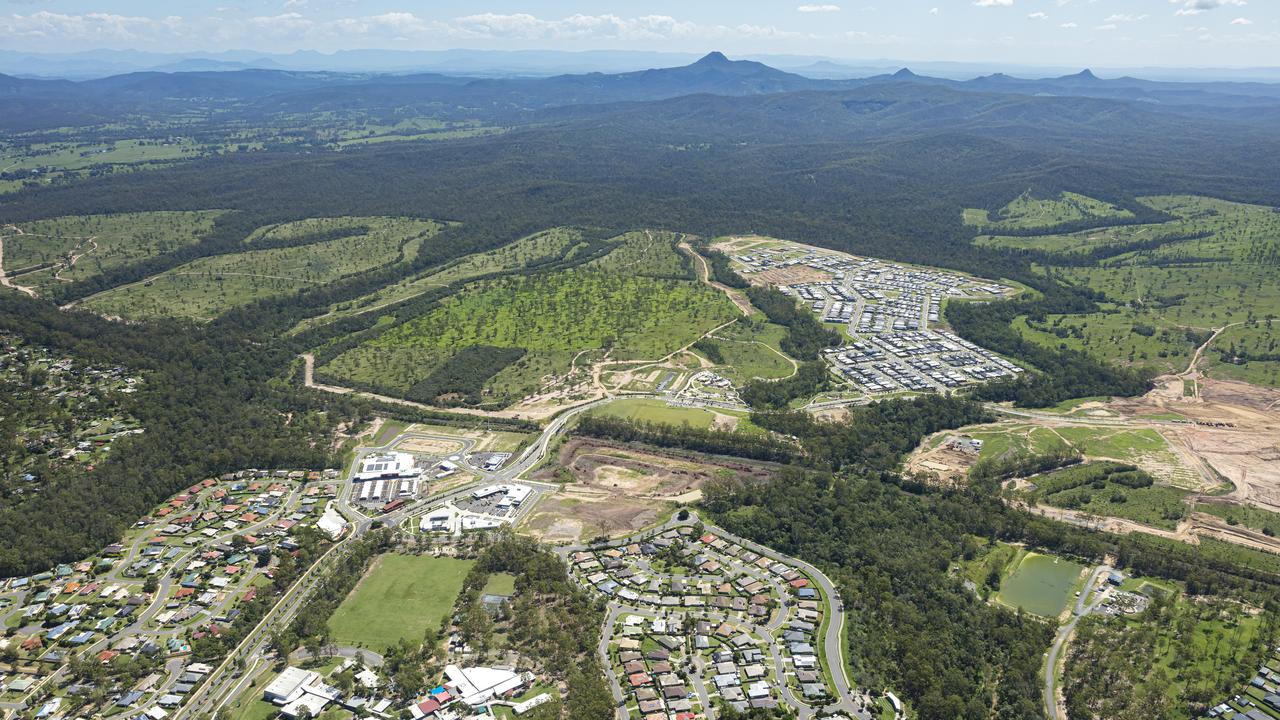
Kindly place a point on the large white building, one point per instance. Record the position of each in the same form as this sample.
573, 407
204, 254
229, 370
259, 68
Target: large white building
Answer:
296, 690
289, 685
386, 466
478, 685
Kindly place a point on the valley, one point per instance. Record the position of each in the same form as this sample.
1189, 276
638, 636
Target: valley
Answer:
710, 392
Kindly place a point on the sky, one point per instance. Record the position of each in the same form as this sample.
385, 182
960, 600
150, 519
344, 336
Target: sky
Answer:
1073, 33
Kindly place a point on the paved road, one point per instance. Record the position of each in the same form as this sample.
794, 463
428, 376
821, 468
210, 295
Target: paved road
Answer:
833, 648
1083, 607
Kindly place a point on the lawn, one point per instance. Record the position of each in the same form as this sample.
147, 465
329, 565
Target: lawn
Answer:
1040, 584
209, 286
500, 584
399, 598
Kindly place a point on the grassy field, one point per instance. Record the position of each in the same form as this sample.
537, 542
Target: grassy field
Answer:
1216, 266
652, 254
552, 316
1002, 440
500, 584
1146, 448
1258, 339
1039, 584
751, 350
97, 243
398, 599
209, 286
536, 248
657, 411
1027, 212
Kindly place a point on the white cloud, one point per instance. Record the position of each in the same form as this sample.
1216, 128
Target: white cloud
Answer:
1242, 21
1069, 25
1125, 18
818, 8
1038, 16
993, 3
933, 11
1107, 27
90, 27
1195, 7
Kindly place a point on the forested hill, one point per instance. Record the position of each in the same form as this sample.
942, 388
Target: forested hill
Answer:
882, 170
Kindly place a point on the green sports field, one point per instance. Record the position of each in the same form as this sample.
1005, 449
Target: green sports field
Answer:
399, 598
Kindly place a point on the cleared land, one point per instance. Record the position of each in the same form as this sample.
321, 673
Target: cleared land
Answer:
611, 303
77, 247
610, 489
398, 599
750, 349
532, 250
1084, 488
1172, 283
1027, 212
209, 286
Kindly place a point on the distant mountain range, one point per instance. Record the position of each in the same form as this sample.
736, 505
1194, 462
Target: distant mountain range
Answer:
45, 103
91, 64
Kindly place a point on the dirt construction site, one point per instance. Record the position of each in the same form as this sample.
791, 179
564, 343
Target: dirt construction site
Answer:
1226, 434
610, 489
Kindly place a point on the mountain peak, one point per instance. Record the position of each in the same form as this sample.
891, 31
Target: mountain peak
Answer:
1085, 74
715, 57
905, 74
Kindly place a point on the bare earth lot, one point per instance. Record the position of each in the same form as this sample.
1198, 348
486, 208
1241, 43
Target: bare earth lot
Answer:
616, 490
1225, 430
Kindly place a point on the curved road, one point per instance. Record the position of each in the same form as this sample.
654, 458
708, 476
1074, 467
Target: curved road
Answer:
833, 648
1083, 607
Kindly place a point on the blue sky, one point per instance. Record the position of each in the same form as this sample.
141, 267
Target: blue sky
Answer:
1095, 33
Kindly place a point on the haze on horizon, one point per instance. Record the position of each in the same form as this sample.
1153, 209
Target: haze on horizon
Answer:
1065, 33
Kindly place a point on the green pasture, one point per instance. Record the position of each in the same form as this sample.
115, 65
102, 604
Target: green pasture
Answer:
398, 599
1216, 267
97, 243
751, 350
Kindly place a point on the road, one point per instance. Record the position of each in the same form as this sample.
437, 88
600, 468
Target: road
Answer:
833, 647
1083, 607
